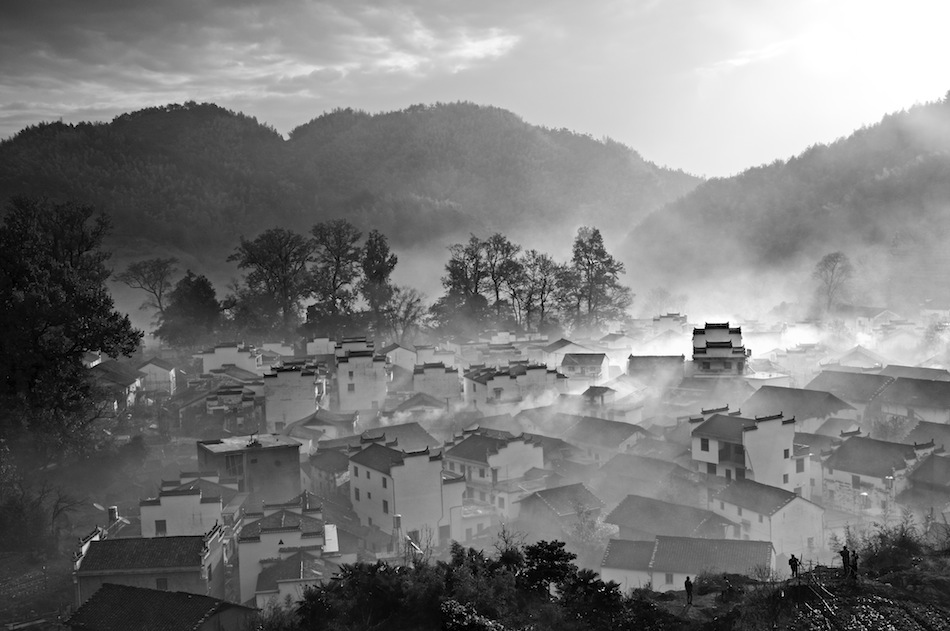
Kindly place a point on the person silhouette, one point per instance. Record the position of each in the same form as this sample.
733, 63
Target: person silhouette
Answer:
689, 591
793, 563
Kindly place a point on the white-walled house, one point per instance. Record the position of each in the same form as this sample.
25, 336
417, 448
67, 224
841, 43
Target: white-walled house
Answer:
406, 494
793, 524
438, 381
180, 512
282, 528
601, 439
665, 562
491, 462
160, 376
484, 386
362, 381
760, 449
244, 357
920, 399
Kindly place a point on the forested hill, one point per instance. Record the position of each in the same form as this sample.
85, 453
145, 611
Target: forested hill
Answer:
884, 190
193, 177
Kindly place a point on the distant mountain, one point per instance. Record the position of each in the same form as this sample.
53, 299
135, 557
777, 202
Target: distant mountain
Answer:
881, 195
191, 178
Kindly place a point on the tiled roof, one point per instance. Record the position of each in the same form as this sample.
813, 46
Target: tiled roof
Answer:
870, 457
330, 460
282, 520
477, 447
601, 432
925, 431
797, 402
420, 400
849, 386
566, 500
117, 373
917, 393
652, 516
934, 470
691, 555
642, 467
556, 346
378, 458
157, 361
628, 555
583, 359
143, 553
408, 436
835, 426
913, 372
755, 496
122, 607
300, 566
723, 427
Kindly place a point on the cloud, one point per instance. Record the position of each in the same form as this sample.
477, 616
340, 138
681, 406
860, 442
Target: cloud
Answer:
61, 57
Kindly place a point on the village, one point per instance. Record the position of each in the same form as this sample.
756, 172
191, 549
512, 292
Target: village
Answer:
656, 453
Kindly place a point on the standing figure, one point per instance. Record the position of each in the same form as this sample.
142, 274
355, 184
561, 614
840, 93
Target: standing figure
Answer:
854, 564
845, 560
689, 591
793, 563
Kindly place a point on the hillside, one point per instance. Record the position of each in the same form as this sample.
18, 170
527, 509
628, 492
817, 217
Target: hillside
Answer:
189, 179
882, 193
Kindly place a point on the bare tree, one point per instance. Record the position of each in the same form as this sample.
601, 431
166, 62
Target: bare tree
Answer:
154, 277
833, 272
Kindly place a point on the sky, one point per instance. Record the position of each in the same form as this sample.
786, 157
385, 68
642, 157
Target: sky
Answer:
708, 86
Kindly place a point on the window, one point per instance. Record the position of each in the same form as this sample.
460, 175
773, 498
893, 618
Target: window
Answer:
253, 460
722, 506
787, 454
385, 482
727, 365
161, 528
367, 475
855, 480
669, 578
812, 481
234, 463
451, 466
501, 502
385, 507
740, 474
497, 392
710, 468
162, 584
738, 510
350, 374
468, 534
728, 474
785, 478
356, 494
798, 491
761, 519
356, 471
481, 472
480, 528
369, 495
811, 542
704, 444
351, 387
800, 465
705, 365
369, 520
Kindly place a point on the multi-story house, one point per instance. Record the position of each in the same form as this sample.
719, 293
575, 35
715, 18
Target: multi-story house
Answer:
160, 376
245, 357
864, 475
916, 399
267, 465
492, 463
438, 381
718, 350
280, 530
406, 494
601, 439
810, 408
362, 380
793, 524
193, 564
760, 449
180, 512
484, 386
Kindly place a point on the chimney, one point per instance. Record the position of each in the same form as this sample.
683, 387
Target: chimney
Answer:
113, 514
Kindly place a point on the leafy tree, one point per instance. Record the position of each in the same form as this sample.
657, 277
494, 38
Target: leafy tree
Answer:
338, 259
532, 286
154, 277
192, 314
500, 265
594, 295
277, 260
55, 309
590, 602
833, 273
463, 307
546, 563
376, 287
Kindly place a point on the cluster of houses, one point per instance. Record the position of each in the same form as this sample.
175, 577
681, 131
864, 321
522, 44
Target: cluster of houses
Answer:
706, 458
